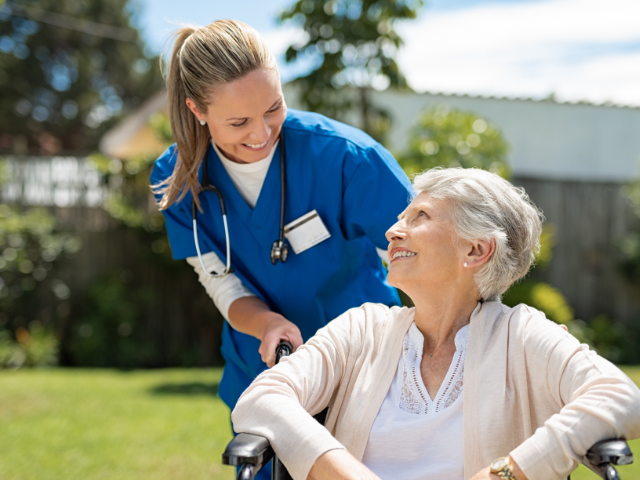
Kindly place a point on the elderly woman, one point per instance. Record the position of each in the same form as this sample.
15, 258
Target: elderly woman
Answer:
459, 387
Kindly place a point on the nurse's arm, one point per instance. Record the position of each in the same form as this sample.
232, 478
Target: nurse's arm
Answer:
252, 316
244, 311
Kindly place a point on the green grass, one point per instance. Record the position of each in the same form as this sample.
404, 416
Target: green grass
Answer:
103, 424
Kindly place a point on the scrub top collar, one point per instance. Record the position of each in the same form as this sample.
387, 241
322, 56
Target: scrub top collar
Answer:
266, 210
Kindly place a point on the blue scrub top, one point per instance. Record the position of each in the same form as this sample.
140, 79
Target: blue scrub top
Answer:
357, 188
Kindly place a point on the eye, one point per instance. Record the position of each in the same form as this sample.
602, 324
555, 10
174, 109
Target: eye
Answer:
239, 124
273, 110
423, 214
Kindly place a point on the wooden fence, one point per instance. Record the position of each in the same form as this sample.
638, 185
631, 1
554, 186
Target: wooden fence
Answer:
590, 219
174, 312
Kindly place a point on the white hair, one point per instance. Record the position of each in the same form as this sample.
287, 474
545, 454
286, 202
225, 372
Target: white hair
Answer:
485, 206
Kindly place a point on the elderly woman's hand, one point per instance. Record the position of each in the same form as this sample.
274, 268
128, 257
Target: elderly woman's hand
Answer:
485, 473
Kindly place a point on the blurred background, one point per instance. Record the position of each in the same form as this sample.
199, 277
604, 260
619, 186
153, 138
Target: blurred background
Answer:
545, 93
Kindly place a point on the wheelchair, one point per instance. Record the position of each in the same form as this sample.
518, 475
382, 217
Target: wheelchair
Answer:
250, 453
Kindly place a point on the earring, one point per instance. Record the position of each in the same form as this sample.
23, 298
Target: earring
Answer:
203, 122
466, 264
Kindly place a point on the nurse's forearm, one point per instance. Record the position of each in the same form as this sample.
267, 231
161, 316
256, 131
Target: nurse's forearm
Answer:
252, 316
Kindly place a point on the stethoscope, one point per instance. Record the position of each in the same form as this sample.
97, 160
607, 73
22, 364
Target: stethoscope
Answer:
279, 249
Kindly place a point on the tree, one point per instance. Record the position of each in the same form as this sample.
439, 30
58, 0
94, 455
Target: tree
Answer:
446, 137
68, 69
353, 43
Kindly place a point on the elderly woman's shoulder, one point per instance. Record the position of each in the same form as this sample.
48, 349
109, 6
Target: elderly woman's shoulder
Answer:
379, 313
530, 321
376, 318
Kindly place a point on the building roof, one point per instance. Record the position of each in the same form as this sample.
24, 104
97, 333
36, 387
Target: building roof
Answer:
579, 141
132, 136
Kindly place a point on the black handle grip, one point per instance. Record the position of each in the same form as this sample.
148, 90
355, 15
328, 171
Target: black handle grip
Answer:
284, 349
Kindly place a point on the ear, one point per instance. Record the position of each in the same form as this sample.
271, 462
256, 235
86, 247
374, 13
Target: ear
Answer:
479, 252
192, 106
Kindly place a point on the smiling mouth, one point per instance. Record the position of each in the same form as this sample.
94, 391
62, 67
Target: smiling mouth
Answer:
403, 254
256, 146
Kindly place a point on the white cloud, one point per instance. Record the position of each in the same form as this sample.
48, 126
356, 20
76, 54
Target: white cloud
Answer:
578, 49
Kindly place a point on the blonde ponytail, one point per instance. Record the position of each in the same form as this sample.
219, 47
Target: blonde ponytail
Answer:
203, 60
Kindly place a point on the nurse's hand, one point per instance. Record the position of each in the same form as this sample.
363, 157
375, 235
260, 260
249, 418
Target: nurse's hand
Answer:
277, 329
252, 316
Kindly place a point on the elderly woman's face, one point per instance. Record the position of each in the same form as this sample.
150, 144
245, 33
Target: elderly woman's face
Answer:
423, 247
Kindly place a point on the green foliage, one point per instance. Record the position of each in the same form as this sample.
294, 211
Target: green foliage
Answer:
353, 43
446, 137
30, 246
609, 338
109, 334
547, 242
80, 64
111, 330
9, 351
36, 347
541, 295
129, 200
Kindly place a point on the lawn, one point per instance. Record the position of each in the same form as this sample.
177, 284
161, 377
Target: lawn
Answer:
104, 424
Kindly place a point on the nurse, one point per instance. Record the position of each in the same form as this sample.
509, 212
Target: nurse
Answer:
343, 191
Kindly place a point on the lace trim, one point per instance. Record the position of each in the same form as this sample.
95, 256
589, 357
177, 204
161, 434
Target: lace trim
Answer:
414, 398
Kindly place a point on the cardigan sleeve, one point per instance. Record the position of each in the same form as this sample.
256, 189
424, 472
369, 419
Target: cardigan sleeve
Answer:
596, 402
279, 403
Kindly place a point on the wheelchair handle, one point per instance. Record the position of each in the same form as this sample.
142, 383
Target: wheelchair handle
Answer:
284, 349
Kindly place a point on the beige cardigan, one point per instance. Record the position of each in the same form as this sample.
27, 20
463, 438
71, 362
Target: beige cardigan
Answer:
530, 390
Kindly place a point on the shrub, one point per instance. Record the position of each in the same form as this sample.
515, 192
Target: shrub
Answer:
35, 347
446, 137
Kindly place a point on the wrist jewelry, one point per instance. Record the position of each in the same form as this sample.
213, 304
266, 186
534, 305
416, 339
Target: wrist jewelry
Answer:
501, 467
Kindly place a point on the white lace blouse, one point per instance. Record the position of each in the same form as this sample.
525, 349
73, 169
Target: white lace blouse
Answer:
415, 437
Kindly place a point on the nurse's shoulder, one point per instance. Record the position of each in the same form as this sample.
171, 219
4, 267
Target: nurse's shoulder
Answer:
325, 129
164, 165
347, 146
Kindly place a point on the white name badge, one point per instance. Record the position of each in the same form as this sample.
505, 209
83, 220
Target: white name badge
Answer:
306, 231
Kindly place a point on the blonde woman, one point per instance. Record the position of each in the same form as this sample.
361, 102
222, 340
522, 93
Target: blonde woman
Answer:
459, 387
307, 199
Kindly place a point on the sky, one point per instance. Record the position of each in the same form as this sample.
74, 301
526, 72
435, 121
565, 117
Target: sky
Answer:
577, 50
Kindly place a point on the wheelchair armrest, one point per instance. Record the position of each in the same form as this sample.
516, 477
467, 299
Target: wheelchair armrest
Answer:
247, 448
606, 453
615, 452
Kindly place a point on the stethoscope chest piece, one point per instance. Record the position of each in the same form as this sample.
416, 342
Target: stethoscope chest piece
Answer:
279, 251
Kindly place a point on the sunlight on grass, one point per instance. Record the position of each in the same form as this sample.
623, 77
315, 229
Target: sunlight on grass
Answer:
103, 424
65, 424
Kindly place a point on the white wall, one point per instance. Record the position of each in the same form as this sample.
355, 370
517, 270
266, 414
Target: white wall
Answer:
548, 140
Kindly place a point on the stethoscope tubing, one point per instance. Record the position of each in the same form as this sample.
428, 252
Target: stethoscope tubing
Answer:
279, 250
223, 209
228, 268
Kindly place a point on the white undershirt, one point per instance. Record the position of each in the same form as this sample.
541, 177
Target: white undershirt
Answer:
248, 178
413, 436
